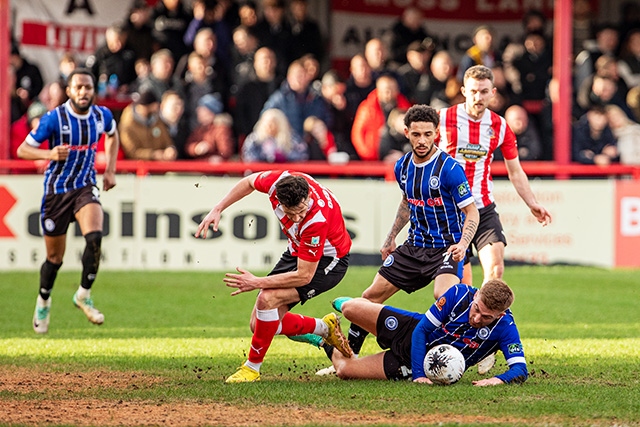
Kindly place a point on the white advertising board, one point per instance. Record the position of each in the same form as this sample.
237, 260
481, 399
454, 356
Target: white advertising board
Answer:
150, 223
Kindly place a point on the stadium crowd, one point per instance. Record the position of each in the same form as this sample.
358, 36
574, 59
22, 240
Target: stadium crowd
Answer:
249, 80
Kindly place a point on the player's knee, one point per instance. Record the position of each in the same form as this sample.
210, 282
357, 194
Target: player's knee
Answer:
267, 299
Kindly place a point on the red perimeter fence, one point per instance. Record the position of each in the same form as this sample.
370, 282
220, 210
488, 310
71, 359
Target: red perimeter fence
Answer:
377, 170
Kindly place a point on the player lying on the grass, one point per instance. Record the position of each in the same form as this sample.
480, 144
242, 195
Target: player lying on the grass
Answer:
475, 321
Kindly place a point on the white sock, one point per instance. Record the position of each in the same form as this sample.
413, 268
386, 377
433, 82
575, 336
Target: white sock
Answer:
254, 366
321, 328
83, 293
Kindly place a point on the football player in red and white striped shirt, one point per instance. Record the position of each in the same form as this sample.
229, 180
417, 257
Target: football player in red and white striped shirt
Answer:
315, 261
471, 133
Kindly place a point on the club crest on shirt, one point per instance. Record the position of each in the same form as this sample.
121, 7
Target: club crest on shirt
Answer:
315, 241
483, 333
472, 152
434, 182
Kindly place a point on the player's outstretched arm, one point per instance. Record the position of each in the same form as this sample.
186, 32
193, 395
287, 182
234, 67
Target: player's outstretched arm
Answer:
242, 189
520, 182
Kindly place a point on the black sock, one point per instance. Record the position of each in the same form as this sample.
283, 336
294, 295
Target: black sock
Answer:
328, 349
356, 337
48, 273
90, 259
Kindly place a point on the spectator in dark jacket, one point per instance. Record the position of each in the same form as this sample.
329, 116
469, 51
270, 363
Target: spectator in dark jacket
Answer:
593, 142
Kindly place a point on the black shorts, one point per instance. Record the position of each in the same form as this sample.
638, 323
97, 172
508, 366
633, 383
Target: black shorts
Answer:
394, 328
412, 268
329, 273
489, 230
59, 210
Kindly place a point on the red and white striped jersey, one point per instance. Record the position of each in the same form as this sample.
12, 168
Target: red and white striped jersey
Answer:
472, 143
322, 232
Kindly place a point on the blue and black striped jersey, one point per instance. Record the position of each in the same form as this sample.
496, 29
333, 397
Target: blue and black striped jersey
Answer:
447, 322
436, 192
81, 132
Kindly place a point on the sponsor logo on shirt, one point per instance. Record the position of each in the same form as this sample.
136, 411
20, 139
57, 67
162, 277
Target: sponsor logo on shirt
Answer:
436, 201
416, 202
440, 303
515, 348
472, 152
463, 189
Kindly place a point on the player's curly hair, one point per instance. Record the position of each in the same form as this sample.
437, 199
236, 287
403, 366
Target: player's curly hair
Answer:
496, 295
421, 113
292, 190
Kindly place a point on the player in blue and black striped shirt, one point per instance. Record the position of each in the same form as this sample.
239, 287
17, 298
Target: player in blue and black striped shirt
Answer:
475, 321
70, 192
438, 205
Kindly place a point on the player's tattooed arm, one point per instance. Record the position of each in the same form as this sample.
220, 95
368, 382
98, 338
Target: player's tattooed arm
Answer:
402, 218
469, 230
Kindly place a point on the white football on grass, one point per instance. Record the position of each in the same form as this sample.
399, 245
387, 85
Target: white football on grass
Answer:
444, 364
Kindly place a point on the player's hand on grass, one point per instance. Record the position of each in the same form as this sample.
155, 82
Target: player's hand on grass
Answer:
487, 381
423, 380
243, 282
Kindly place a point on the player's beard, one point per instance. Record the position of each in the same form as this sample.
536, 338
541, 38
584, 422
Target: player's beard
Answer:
82, 109
424, 156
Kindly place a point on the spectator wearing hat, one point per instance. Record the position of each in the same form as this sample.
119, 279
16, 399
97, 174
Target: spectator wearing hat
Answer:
143, 136
481, 53
212, 139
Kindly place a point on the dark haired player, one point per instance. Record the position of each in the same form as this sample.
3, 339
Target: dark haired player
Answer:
315, 261
70, 192
437, 203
